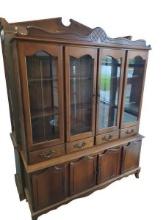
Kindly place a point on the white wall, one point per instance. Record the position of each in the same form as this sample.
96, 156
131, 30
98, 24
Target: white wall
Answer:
129, 198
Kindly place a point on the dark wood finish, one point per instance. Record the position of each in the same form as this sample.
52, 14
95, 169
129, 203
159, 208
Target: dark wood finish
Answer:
51, 29
79, 145
82, 174
75, 155
46, 154
109, 164
83, 194
53, 75
131, 155
49, 186
19, 187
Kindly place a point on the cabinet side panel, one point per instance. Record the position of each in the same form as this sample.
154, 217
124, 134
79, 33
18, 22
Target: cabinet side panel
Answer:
19, 109
19, 176
13, 90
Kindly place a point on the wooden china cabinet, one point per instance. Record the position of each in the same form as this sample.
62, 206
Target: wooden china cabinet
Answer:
75, 100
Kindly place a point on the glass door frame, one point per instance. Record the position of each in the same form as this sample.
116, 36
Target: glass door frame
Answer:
131, 54
117, 54
29, 49
78, 52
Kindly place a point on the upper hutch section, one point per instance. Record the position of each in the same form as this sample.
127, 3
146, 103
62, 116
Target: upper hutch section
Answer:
54, 30
70, 87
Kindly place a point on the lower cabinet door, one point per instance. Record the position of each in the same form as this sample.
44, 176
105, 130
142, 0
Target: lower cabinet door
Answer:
131, 154
50, 186
82, 174
109, 164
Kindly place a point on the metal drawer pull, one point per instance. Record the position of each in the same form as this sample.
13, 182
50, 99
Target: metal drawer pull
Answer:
130, 131
107, 137
79, 145
58, 168
48, 154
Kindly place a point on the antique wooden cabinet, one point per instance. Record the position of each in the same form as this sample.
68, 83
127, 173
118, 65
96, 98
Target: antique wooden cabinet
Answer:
75, 100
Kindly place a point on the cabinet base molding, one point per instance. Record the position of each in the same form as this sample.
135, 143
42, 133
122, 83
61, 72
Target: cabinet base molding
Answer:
36, 214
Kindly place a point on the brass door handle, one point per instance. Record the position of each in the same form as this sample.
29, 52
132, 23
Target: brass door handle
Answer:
47, 154
57, 168
107, 137
130, 131
79, 145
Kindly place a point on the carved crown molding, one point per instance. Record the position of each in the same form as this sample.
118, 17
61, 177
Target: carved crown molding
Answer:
55, 29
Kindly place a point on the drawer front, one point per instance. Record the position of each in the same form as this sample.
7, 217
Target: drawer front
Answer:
131, 155
46, 154
79, 145
127, 132
104, 138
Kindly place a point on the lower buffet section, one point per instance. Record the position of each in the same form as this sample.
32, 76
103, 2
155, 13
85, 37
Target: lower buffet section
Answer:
50, 187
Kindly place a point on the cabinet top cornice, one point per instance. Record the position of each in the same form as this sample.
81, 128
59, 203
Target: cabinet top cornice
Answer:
53, 29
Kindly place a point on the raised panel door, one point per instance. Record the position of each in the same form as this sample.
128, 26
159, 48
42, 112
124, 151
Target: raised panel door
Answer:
131, 155
50, 186
82, 174
109, 164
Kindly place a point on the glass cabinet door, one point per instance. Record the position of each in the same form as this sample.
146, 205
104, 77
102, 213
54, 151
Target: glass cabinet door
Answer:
111, 65
135, 73
43, 93
80, 93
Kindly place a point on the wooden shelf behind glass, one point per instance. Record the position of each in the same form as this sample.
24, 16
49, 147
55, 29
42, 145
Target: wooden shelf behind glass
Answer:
44, 112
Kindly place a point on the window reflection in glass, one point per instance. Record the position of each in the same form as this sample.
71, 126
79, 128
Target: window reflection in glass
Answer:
81, 94
109, 80
133, 89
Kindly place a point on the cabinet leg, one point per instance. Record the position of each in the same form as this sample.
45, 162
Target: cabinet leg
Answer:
137, 174
34, 217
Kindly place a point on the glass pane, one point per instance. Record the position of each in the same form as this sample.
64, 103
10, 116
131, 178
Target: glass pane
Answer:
43, 93
81, 92
133, 89
109, 91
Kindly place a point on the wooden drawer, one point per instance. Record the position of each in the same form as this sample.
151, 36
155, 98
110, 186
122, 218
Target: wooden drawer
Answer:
46, 154
127, 132
79, 145
103, 138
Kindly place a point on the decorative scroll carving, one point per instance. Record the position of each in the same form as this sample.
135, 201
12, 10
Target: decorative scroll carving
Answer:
55, 29
20, 30
98, 35
11, 29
